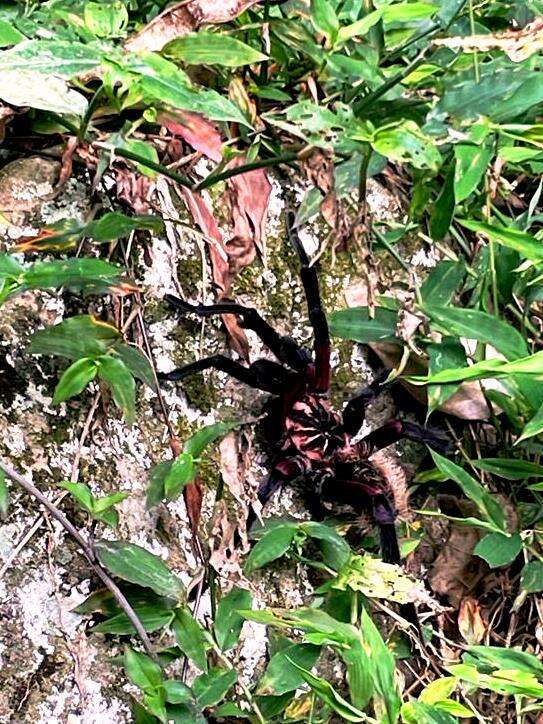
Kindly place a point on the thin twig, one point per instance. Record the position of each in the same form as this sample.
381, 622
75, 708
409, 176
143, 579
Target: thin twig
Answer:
87, 550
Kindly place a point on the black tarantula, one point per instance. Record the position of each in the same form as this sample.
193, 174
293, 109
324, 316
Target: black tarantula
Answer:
308, 439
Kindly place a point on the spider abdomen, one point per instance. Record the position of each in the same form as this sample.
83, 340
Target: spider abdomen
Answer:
314, 429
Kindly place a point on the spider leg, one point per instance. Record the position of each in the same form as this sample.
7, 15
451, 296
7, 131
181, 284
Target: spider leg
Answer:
396, 430
284, 348
262, 374
354, 412
284, 471
317, 316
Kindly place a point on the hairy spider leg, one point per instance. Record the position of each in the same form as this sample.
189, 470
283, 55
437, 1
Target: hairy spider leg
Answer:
395, 430
284, 348
354, 412
317, 317
262, 374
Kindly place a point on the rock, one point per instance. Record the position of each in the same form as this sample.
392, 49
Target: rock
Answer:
24, 185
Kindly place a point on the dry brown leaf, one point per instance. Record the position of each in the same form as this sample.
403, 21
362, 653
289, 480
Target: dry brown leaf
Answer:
193, 128
224, 554
184, 17
516, 44
192, 494
67, 160
471, 623
237, 93
249, 195
455, 571
233, 465
201, 213
135, 189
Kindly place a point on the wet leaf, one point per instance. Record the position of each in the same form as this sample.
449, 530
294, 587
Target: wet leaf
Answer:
210, 48
75, 379
135, 564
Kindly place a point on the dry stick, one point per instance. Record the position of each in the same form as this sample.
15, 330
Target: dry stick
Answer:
87, 552
74, 476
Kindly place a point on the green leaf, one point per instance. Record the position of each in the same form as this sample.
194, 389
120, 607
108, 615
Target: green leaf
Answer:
281, 676
526, 244
271, 546
324, 18
449, 353
336, 551
531, 578
25, 87
361, 27
533, 427
183, 471
142, 671
499, 550
114, 225
116, 374
507, 658
471, 164
383, 667
192, 639
105, 19
61, 58
404, 142
531, 365
4, 496
325, 691
210, 688
481, 326
135, 564
443, 211
162, 81
137, 363
228, 622
82, 493
510, 469
489, 508
177, 692
417, 712
76, 337
75, 379
356, 323
197, 443
441, 283
207, 48
152, 619
157, 476
91, 276
9, 35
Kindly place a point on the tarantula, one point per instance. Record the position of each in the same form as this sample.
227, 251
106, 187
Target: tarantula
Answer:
308, 439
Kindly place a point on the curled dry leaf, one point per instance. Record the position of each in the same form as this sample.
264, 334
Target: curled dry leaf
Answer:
200, 211
67, 161
193, 128
193, 495
249, 195
182, 18
516, 44
471, 623
233, 465
135, 189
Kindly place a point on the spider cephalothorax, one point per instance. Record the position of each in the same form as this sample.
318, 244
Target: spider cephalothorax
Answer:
308, 439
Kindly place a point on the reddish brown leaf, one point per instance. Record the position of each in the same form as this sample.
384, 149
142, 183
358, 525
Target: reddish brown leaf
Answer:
193, 128
192, 494
202, 215
249, 195
67, 160
135, 189
182, 18
471, 624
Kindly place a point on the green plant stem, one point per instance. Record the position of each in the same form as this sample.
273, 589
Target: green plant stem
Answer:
391, 250
88, 114
212, 179
366, 102
88, 552
158, 167
68, 125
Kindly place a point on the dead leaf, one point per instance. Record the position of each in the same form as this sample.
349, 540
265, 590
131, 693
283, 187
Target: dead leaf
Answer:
237, 93
201, 212
182, 18
192, 494
516, 44
224, 554
249, 195
136, 189
6, 113
471, 624
198, 132
67, 161
455, 571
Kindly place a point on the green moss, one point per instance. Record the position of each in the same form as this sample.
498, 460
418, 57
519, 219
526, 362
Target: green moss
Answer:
189, 271
201, 394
